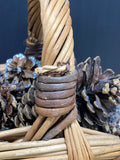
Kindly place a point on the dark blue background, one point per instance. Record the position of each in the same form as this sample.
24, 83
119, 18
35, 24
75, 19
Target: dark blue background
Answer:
96, 25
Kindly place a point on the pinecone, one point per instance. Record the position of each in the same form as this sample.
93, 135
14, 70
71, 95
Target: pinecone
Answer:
97, 94
15, 85
19, 74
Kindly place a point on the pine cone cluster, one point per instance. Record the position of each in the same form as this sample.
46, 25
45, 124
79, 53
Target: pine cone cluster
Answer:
16, 91
97, 94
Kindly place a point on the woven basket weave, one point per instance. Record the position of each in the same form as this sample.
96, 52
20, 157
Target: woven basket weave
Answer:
49, 22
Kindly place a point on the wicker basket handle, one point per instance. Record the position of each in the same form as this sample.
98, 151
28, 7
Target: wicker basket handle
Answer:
58, 46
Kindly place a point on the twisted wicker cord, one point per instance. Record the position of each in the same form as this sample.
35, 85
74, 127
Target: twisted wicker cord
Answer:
57, 33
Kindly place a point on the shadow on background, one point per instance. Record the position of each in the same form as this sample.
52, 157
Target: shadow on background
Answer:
96, 25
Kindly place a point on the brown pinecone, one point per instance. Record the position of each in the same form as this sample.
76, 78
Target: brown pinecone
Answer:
17, 82
97, 94
19, 74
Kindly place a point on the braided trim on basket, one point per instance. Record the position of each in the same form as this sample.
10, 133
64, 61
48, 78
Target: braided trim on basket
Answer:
49, 69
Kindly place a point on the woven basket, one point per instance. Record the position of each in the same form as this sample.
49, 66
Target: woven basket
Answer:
53, 30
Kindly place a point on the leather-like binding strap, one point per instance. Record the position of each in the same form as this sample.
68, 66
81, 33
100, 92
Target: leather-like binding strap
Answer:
54, 112
55, 87
57, 103
56, 95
